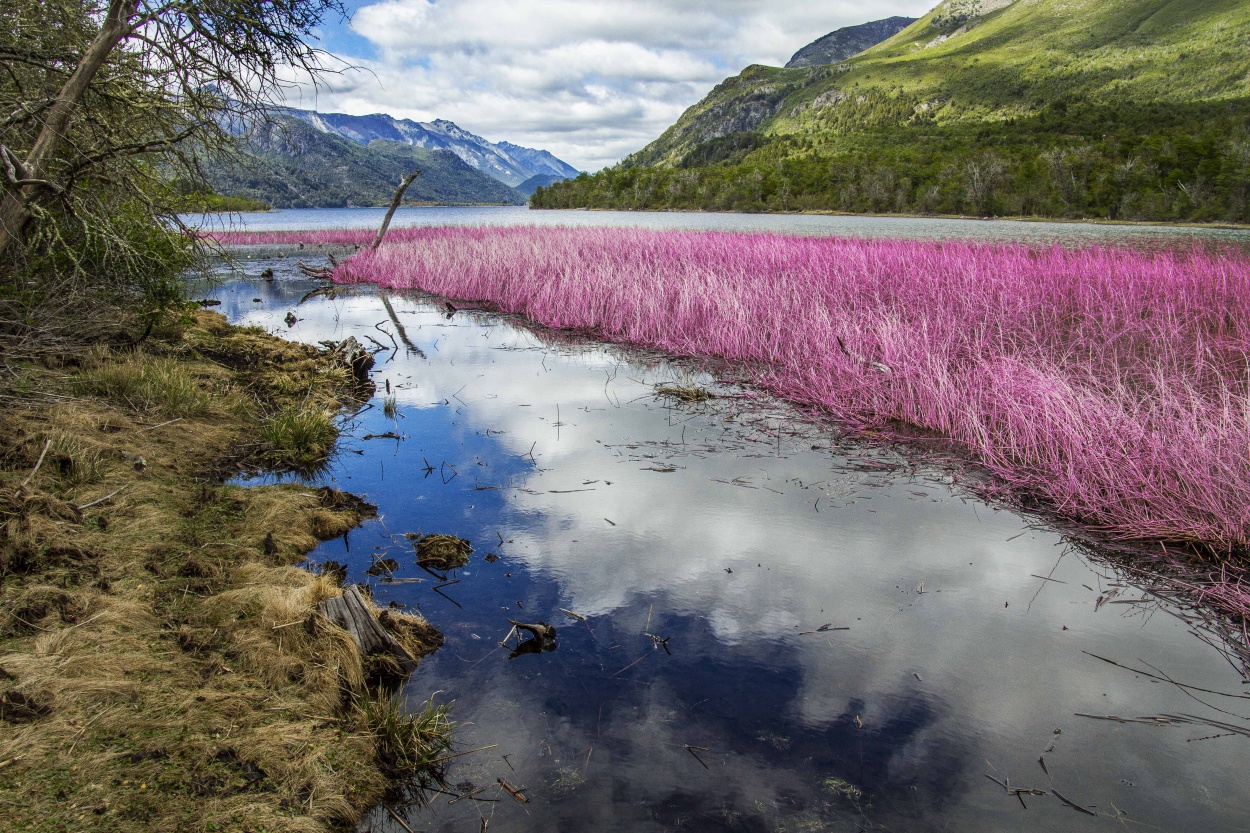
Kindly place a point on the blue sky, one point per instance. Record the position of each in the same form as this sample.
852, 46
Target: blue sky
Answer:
589, 80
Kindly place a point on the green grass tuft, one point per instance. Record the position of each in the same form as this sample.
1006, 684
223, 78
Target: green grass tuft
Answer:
300, 435
410, 744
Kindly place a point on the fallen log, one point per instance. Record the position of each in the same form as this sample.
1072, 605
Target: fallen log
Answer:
319, 273
356, 615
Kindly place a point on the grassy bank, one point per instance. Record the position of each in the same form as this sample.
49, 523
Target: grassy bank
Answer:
162, 663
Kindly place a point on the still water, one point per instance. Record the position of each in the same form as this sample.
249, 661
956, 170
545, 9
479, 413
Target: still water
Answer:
822, 225
777, 628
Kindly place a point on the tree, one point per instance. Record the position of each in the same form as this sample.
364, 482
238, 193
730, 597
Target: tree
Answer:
109, 100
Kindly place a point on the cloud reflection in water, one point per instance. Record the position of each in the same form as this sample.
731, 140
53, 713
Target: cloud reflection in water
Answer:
949, 670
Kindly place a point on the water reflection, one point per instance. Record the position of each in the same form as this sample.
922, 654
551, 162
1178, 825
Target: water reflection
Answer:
771, 631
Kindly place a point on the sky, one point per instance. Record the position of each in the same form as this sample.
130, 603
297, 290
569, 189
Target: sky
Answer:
590, 80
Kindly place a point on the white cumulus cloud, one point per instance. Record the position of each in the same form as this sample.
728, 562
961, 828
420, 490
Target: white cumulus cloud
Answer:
589, 80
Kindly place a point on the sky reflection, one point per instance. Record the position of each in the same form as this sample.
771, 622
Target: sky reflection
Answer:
946, 657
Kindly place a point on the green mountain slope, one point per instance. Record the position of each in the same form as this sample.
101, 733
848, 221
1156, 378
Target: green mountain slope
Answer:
1128, 109
291, 164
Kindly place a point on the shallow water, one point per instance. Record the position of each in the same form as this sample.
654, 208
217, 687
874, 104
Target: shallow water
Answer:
708, 551
819, 225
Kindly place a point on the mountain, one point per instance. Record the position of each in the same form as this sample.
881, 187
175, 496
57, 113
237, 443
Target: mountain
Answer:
1127, 110
851, 40
292, 164
529, 186
506, 162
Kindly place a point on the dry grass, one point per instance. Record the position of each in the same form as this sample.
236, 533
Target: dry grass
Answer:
161, 667
685, 394
443, 552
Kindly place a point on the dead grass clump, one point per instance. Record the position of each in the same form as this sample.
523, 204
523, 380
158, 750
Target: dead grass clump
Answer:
687, 395
417, 635
39, 608
269, 626
443, 552
76, 461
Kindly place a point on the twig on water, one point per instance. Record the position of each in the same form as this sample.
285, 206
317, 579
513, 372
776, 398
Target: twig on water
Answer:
513, 791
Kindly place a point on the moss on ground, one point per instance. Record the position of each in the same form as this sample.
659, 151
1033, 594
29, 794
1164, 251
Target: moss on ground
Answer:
162, 663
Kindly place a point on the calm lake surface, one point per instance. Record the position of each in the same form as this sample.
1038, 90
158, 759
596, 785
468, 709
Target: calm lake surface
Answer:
847, 226
782, 629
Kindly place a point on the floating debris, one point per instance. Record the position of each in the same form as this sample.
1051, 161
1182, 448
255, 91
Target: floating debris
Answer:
683, 394
843, 788
383, 567
442, 552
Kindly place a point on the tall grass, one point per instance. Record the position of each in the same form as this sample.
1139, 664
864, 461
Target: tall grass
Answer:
1109, 385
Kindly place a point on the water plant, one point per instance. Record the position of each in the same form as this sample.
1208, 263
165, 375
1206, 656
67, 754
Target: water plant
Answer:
409, 743
1107, 384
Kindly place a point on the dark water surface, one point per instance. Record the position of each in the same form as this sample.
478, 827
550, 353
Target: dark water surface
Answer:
779, 634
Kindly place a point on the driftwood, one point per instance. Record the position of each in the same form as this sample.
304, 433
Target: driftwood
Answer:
542, 638
320, 273
355, 615
351, 354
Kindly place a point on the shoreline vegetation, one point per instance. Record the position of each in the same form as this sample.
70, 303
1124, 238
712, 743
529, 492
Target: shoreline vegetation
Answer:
1102, 385
163, 663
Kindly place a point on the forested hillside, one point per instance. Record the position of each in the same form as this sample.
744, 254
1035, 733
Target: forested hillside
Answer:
1133, 110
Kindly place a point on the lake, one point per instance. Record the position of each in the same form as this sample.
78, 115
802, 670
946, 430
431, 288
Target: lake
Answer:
778, 626
297, 219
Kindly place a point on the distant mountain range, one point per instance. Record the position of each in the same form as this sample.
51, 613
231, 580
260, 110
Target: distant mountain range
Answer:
303, 159
1111, 109
506, 162
288, 163
848, 42
529, 186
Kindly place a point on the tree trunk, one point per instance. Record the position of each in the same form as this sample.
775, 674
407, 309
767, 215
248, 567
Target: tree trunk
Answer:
14, 210
399, 195
355, 615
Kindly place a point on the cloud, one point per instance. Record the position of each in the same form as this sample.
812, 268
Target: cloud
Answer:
591, 82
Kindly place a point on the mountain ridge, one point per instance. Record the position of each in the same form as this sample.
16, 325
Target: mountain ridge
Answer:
509, 163
1138, 109
289, 163
848, 41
